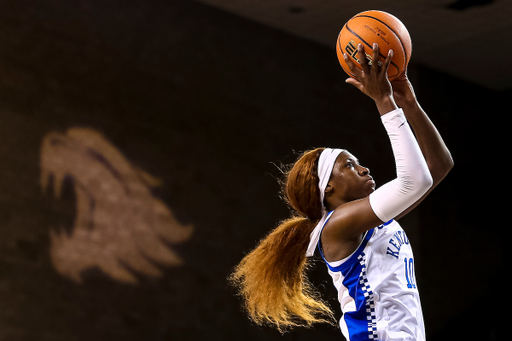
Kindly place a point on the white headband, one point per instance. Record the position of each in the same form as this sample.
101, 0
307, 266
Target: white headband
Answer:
326, 163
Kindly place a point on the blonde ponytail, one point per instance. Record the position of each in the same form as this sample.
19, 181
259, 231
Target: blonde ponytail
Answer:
272, 278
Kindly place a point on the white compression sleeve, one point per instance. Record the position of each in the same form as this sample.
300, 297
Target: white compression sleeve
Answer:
413, 177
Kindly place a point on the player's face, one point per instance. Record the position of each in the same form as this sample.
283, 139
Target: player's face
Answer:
349, 180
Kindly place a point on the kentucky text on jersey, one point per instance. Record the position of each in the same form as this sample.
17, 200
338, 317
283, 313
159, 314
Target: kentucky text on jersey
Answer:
399, 239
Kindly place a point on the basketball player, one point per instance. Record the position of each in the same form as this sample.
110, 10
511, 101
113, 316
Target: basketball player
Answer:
353, 225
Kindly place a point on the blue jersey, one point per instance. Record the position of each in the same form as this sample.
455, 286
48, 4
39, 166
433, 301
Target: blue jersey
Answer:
377, 288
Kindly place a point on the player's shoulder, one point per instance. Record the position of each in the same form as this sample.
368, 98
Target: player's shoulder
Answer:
388, 227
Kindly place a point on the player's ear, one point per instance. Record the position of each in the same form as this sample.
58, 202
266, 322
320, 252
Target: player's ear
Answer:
328, 189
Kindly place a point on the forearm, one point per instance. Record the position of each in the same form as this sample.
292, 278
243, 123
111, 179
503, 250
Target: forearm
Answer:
433, 148
437, 155
385, 104
413, 176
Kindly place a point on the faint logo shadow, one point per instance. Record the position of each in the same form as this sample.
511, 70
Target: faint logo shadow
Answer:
119, 227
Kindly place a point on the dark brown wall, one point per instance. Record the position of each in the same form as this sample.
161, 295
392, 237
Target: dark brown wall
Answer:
205, 102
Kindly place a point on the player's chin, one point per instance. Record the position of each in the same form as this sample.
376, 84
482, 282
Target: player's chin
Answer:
369, 188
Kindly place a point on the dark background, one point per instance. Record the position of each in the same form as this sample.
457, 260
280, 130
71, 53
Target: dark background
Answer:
207, 102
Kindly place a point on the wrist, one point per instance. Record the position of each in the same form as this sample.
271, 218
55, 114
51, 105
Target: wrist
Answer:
410, 103
386, 104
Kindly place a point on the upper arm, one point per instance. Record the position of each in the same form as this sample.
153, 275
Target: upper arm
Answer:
350, 220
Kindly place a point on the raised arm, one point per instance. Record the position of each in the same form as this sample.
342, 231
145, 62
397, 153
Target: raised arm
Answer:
437, 155
352, 217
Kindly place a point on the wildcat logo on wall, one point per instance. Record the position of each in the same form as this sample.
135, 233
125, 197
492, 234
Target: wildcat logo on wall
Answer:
119, 227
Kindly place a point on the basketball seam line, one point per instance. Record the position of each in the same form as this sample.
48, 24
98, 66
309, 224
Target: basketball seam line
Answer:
382, 22
364, 41
341, 49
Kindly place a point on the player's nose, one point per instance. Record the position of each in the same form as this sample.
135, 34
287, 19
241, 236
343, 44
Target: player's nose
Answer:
363, 171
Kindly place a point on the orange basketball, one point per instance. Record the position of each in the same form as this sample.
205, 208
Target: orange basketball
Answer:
375, 27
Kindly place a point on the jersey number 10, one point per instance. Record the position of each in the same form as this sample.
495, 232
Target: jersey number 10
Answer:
409, 273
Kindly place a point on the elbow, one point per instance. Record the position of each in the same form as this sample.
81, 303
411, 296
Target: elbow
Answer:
425, 183
440, 171
448, 166
416, 185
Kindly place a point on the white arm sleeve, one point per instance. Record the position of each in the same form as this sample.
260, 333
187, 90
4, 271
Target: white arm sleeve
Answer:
413, 177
